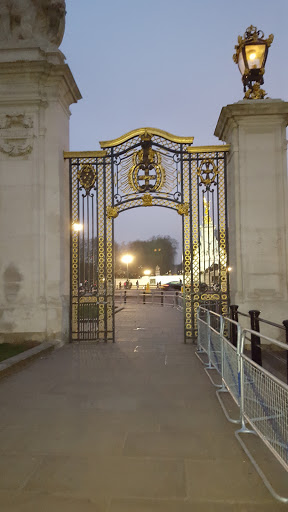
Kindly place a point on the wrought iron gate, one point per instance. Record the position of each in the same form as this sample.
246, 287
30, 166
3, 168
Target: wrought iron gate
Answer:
146, 167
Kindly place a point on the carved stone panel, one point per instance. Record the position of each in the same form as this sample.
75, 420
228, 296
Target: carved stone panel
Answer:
16, 134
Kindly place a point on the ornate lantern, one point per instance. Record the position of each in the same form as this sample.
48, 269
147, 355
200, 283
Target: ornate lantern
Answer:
251, 55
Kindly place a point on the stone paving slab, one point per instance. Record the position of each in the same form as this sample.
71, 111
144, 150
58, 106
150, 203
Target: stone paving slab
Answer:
16, 469
133, 425
107, 476
132, 505
43, 502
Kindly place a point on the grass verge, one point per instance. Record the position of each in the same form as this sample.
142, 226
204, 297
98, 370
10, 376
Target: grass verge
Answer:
12, 349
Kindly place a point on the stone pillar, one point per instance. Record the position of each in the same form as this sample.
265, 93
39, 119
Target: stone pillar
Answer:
36, 90
257, 204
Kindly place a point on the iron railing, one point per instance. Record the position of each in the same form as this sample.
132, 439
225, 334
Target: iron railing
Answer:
276, 361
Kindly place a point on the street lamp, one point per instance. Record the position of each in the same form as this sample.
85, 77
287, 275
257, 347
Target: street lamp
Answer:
251, 55
147, 272
127, 258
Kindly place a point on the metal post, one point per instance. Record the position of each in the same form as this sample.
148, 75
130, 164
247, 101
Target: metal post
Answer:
241, 380
256, 355
233, 327
162, 298
285, 323
144, 297
176, 298
209, 365
222, 325
125, 296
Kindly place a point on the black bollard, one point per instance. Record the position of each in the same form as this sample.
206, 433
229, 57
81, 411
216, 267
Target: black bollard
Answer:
233, 327
256, 355
285, 323
162, 298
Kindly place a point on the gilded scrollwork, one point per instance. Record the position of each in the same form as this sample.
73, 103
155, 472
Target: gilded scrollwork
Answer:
147, 200
112, 212
88, 300
256, 93
210, 296
183, 209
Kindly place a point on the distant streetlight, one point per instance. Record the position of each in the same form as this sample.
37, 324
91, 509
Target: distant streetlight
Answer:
251, 55
127, 258
147, 272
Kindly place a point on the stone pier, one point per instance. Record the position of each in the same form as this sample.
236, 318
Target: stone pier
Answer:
36, 90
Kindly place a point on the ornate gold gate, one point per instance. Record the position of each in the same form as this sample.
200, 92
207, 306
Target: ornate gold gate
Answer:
146, 167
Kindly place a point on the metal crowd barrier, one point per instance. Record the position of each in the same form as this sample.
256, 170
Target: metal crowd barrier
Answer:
222, 355
156, 298
261, 397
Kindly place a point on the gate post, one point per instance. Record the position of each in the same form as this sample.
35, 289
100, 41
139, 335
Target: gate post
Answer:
257, 204
34, 209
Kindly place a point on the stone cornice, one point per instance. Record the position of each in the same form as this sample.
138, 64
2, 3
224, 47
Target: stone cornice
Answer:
37, 79
231, 115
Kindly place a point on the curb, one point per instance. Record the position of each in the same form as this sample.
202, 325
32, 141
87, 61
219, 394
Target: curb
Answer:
119, 308
21, 359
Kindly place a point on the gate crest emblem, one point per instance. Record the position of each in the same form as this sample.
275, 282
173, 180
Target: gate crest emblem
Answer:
207, 172
147, 173
87, 177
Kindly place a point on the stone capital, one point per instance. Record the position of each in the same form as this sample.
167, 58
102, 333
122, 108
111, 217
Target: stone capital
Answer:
253, 111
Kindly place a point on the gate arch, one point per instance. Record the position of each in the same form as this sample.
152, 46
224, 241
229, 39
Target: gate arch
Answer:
146, 167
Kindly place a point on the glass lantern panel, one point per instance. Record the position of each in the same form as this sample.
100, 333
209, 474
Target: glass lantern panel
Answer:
255, 54
241, 63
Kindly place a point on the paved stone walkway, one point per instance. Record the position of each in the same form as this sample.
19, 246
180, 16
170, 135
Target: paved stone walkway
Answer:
129, 427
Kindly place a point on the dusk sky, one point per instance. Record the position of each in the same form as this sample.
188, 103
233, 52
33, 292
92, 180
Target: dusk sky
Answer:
166, 65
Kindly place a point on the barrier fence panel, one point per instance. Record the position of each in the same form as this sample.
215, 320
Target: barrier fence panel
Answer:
264, 405
261, 397
203, 330
215, 346
230, 369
